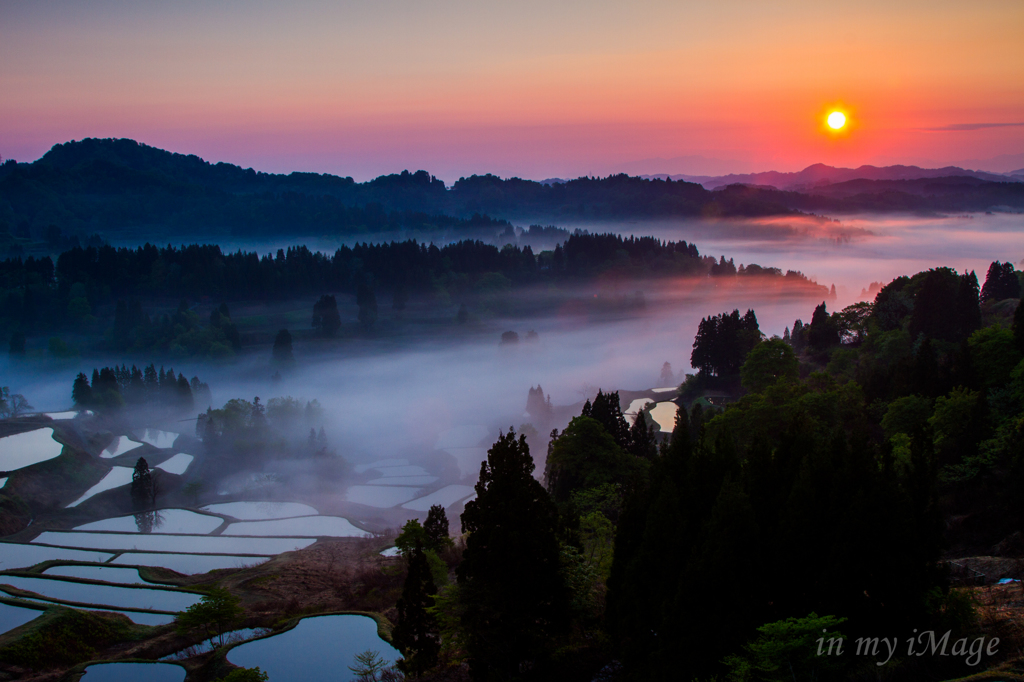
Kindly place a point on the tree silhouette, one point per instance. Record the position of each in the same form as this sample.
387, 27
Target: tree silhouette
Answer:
142, 484
416, 632
282, 353
326, 320
512, 593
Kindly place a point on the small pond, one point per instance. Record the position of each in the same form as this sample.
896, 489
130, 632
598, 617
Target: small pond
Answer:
380, 495
158, 439
189, 564
446, 496
15, 616
23, 556
664, 414
115, 478
261, 511
134, 672
106, 595
307, 525
183, 544
119, 446
25, 449
160, 521
322, 647
177, 464
110, 574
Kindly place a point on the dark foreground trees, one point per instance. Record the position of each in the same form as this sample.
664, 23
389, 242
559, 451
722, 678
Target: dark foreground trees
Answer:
512, 595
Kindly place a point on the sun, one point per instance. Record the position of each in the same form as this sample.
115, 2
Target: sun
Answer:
836, 120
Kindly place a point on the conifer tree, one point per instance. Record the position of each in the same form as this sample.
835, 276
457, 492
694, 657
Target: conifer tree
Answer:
81, 392
416, 633
142, 484
513, 597
436, 528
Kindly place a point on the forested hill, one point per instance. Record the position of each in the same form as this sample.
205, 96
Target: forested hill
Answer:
123, 189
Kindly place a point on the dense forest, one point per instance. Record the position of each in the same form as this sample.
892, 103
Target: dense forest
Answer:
100, 290
814, 507
123, 189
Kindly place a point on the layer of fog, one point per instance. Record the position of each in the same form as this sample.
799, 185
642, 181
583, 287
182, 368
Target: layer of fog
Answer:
853, 252
388, 398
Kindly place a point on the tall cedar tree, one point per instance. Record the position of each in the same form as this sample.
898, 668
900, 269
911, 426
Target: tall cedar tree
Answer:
142, 484
326, 320
1000, 282
416, 633
607, 410
436, 528
513, 597
643, 442
81, 392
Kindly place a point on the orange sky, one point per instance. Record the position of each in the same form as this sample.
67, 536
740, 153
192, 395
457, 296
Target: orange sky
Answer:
531, 88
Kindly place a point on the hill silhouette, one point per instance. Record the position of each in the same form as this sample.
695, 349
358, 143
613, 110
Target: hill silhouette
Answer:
122, 189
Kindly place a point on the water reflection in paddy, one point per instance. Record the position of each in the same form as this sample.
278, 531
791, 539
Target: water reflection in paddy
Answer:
115, 478
23, 556
134, 672
178, 544
110, 574
307, 525
177, 464
108, 595
161, 521
403, 480
14, 616
159, 439
314, 649
25, 449
664, 414
119, 446
189, 564
261, 511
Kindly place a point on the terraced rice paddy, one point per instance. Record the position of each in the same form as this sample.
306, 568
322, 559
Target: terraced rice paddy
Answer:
107, 595
445, 497
134, 672
380, 496
15, 616
163, 521
664, 414
177, 464
110, 574
13, 555
307, 525
314, 646
119, 446
261, 511
177, 544
28, 448
115, 478
158, 439
188, 564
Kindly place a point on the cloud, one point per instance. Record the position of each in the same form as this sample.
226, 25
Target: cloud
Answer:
957, 127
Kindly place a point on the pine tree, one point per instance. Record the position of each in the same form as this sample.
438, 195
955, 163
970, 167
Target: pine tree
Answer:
416, 633
436, 528
81, 392
513, 597
282, 353
642, 440
142, 484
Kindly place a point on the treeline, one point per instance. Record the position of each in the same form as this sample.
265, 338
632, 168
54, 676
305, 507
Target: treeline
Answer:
112, 388
118, 186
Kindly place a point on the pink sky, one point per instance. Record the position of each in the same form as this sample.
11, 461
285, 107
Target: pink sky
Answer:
535, 89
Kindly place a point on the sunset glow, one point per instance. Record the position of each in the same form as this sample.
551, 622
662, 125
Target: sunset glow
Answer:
836, 120
366, 88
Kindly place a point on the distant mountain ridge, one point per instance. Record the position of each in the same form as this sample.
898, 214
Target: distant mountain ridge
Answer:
121, 189
821, 174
